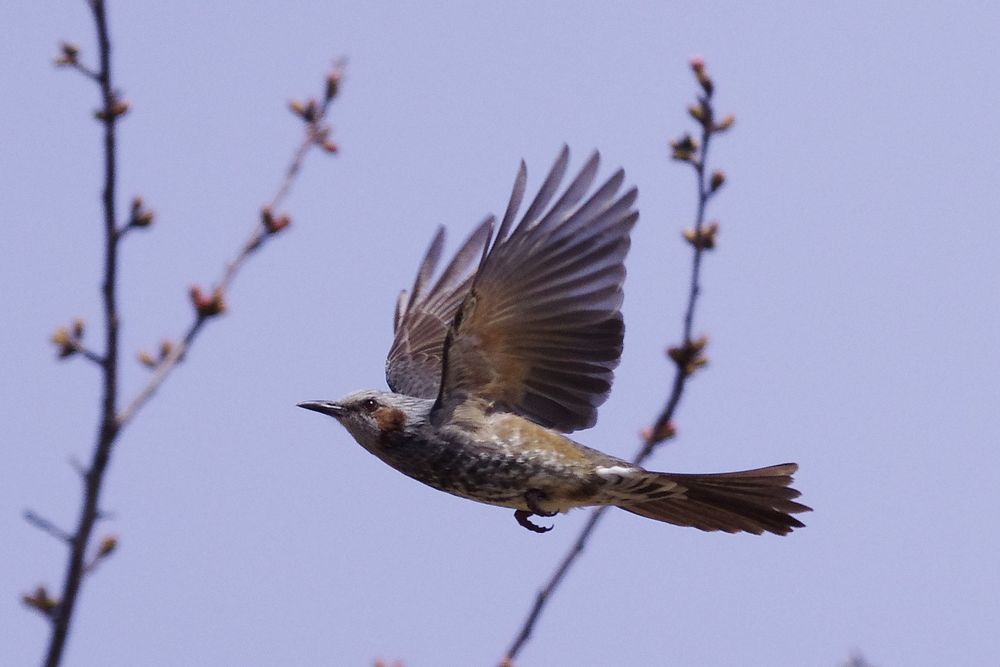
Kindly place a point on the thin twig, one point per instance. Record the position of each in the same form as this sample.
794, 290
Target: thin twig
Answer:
86, 71
47, 526
87, 353
656, 434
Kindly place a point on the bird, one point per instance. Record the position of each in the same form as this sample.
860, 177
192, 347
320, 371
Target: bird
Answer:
512, 348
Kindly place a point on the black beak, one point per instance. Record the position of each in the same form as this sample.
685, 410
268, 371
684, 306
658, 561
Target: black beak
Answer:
326, 407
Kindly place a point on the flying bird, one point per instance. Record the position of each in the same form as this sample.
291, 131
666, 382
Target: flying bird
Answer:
513, 346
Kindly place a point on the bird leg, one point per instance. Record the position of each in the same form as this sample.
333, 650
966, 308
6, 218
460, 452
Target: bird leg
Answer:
531, 498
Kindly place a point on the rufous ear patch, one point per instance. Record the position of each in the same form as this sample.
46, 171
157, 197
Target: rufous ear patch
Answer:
389, 420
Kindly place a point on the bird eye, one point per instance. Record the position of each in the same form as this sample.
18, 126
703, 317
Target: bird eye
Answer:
369, 405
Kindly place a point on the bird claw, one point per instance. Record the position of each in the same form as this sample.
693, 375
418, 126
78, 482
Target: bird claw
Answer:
531, 498
523, 518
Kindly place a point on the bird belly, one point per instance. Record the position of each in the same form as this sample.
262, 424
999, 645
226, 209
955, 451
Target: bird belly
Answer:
499, 473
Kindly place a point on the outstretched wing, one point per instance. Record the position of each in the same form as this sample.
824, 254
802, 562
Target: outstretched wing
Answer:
540, 331
422, 317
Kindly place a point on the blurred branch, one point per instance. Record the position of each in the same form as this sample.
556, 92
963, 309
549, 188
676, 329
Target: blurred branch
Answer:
112, 109
857, 660
47, 526
205, 307
69, 341
687, 357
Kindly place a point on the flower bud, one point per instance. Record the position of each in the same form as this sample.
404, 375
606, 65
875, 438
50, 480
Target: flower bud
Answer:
41, 601
706, 239
118, 108
332, 84
139, 215
271, 224
207, 306
684, 148
64, 341
698, 67
68, 53
716, 180
108, 544
306, 112
664, 432
724, 124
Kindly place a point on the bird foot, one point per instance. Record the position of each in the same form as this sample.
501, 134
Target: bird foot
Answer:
532, 498
523, 518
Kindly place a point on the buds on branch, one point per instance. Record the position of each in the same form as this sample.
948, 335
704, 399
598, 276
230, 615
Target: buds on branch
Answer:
68, 340
139, 215
149, 361
68, 54
703, 239
116, 109
689, 357
206, 306
272, 224
41, 601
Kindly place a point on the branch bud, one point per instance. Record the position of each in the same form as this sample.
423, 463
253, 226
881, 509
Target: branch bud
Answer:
65, 342
724, 124
689, 357
271, 224
684, 148
717, 179
705, 240
306, 112
139, 215
108, 544
698, 67
41, 601
68, 53
146, 359
207, 306
332, 83
665, 432
118, 108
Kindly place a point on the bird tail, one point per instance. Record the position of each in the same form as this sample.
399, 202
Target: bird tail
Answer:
752, 501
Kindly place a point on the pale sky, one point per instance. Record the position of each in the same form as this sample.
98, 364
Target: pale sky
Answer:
852, 308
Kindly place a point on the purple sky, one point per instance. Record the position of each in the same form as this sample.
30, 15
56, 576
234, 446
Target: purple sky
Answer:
852, 308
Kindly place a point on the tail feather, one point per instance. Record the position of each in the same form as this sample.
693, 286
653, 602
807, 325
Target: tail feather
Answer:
751, 501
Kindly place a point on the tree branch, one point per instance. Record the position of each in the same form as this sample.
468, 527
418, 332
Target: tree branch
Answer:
111, 422
687, 357
62, 614
315, 134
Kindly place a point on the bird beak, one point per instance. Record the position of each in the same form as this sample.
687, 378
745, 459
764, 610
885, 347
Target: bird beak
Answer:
326, 407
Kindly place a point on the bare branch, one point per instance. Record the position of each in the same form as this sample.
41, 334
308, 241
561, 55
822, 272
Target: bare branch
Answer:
111, 111
69, 340
687, 357
47, 526
314, 133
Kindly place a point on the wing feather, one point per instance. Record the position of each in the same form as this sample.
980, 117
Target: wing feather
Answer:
413, 365
540, 330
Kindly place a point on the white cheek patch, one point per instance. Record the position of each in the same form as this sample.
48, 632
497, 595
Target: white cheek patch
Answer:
614, 473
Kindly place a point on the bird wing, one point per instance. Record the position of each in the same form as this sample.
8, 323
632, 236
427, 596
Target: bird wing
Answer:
540, 330
413, 365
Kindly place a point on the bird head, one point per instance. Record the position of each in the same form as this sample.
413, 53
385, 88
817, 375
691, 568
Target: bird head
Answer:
375, 418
